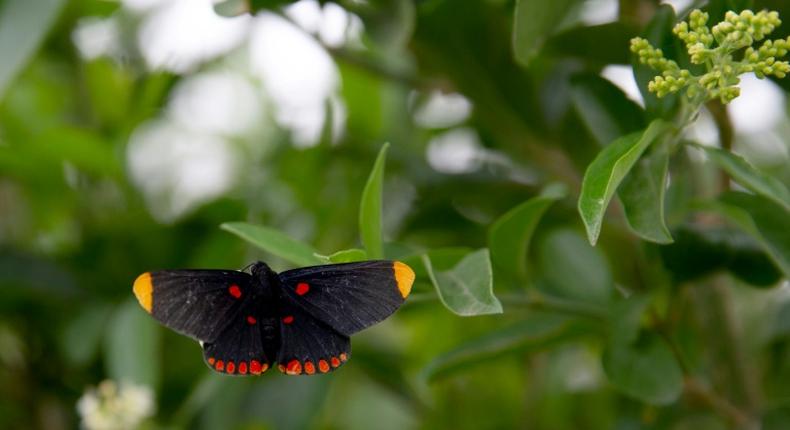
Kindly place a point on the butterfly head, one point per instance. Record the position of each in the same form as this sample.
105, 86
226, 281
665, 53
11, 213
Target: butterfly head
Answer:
263, 273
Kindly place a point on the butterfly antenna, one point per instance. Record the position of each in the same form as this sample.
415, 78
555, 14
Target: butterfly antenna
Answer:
247, 267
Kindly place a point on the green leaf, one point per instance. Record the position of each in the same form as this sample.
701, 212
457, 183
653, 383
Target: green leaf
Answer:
701, 250
231, 8
370, 208
510, 235
749, 176
571, 268
344, 256
536, 331
274, 242
607, 170
81, 337
764, 220
467, 289
696, 252
23, 26
534, 21
625, 319
642, 194
605, 109
131, 346
645, 370
602, 44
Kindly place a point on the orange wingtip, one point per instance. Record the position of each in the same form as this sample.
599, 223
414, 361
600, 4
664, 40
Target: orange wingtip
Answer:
143, 290
404, 277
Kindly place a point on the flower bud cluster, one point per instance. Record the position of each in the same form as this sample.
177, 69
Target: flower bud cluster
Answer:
696, 35
714, 48
741, 30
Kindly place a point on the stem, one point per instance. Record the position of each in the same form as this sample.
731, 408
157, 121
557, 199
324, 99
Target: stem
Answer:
720, 405
726, 134
733, 344
693, 387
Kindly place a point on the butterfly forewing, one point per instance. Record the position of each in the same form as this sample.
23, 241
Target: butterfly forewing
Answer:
351, 296
197, 303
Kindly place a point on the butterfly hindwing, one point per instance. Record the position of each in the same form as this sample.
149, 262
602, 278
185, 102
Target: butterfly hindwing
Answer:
197, 303
349, 297
239, 349
308, 345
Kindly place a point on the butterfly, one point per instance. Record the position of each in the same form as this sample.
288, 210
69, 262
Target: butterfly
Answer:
300, 319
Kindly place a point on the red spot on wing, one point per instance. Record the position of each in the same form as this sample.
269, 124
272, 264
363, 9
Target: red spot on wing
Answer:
243, 368
230, 368
309, 367
302, 288
281, 367
294, 367
335, 362
343, 357
211, 361
251, 320
288, 319
220, 366
235, 291
264, 367
323, 366
255, 367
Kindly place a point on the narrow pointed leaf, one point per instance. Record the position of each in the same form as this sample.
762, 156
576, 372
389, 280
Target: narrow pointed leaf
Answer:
764, 220
510, 235
131, 346
749, 176
23, 26
344, 256
609, 168
535, 332
274, 242
370, 208
534, 21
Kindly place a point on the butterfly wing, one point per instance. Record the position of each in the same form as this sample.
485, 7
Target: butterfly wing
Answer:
351, 296
239, 349
308, 345
197, 303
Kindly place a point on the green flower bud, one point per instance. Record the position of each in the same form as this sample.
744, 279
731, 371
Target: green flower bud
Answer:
718, 48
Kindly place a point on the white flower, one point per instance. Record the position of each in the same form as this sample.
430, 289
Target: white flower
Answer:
114, 406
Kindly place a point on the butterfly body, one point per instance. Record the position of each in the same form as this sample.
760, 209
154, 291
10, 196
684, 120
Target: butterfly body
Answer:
300, 319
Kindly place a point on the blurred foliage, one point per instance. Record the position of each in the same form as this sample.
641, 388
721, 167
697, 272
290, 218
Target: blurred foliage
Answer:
677, 318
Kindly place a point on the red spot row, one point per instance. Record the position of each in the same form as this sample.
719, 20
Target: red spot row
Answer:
295, 367
254, 367
234, 291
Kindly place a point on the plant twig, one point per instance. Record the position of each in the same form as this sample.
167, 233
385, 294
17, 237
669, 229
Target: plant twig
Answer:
726, 134
694, 388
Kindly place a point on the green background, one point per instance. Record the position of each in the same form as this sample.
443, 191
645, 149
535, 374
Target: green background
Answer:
514, 321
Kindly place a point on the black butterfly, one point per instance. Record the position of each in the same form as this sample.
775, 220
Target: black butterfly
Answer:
301, 318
